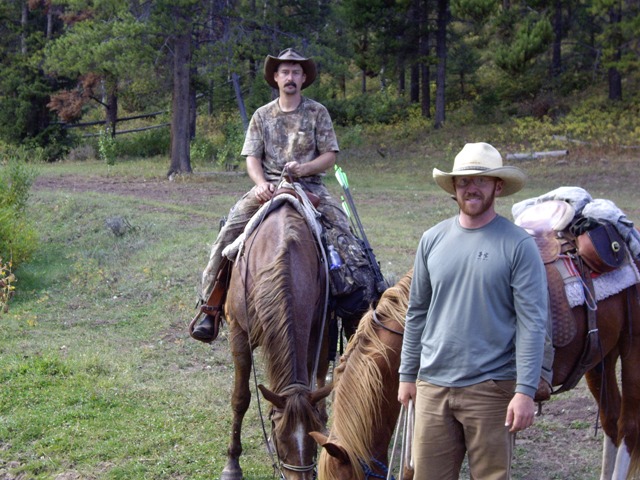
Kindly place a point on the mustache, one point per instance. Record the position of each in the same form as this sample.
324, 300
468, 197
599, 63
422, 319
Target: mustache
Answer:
291, 84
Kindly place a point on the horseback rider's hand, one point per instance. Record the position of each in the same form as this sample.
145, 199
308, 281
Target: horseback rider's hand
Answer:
294, 170
264, 191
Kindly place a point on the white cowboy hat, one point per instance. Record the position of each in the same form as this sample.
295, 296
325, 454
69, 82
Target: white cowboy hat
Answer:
481, 159
289, 55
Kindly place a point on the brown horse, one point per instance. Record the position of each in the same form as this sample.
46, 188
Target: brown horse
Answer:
276, 301
365, 405
618, 328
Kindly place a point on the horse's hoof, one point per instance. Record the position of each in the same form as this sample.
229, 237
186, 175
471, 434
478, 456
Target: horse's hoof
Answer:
231, 472
226, 475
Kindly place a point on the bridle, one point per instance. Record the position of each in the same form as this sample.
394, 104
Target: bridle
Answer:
369, 473
278, 464
377, 321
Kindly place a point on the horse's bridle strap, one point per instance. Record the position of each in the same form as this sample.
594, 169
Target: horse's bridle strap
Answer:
382, 325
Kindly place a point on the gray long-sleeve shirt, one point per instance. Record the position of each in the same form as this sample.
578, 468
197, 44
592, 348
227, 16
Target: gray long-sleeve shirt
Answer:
478, 307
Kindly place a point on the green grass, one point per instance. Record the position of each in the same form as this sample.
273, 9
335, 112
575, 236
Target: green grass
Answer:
99, 377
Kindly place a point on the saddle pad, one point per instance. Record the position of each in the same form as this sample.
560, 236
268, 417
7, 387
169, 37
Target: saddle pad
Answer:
604, 285
304, 208
548, 216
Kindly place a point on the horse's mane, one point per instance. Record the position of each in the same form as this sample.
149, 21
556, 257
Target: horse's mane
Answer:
297, 411
355, 416
270, 302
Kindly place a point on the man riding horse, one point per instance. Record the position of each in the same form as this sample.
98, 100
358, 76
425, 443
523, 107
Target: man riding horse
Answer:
291, 134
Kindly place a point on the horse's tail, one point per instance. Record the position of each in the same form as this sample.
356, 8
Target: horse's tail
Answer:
634, 463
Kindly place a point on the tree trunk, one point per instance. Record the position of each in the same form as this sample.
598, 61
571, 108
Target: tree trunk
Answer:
615, 84
425, 86
441, 53
24, 20
401, 79
192, 105
112, 108
615, 79
414, 88
243, 111
425, 73
180, 160
556, 60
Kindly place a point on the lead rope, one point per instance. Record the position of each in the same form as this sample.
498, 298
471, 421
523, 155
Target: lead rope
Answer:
406, 419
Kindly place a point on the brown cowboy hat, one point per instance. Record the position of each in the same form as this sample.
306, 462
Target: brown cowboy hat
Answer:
481, 159
289, 55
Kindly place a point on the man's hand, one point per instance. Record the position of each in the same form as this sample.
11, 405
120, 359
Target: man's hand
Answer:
406, 392
294, 169
520, 413
264, 191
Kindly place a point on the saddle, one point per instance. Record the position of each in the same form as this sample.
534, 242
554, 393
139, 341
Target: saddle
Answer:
313, 198
547, 223
595, 249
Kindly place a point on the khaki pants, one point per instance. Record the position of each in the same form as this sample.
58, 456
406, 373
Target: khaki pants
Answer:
245, 208
450, 422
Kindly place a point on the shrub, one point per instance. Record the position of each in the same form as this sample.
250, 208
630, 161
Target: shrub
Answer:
6, 285
145, 144
380, 107
218, 139
18, 239
107, 147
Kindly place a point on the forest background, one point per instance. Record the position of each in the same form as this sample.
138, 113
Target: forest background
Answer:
195, 67
103, 101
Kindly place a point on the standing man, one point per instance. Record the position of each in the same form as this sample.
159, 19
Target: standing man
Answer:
292, 133
475, 326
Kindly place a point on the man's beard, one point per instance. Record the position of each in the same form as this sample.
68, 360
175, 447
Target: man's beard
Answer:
476, 209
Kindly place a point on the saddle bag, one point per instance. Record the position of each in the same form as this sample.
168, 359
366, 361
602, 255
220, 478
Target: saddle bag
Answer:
351, 281
602, 248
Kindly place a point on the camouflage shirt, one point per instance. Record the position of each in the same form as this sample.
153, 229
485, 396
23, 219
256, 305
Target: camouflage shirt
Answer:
279, 137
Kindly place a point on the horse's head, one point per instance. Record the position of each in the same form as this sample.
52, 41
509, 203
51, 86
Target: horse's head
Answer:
336, 463
295, 413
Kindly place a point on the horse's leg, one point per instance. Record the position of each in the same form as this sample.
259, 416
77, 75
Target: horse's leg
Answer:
629, 424
323, 369
240, 400
609, 454
603, 384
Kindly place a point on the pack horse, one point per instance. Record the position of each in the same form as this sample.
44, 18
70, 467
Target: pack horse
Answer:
595, 318
276, 301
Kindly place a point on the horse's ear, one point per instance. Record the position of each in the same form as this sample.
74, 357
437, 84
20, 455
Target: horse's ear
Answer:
320, 393
336, 451
320, 438
276, 400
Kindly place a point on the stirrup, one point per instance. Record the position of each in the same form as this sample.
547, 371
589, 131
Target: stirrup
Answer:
215, 313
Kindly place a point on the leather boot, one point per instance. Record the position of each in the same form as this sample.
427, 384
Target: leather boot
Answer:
207, 330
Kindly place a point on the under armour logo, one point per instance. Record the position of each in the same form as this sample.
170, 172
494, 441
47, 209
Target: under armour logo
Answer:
482, 255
